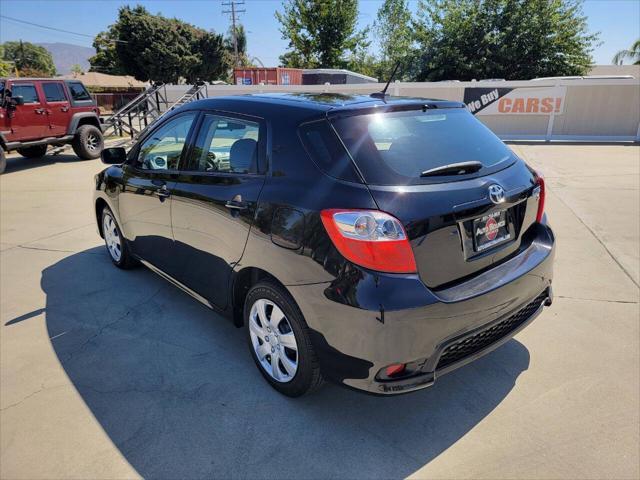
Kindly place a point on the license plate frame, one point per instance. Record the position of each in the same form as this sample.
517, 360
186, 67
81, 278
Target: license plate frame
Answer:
491, 230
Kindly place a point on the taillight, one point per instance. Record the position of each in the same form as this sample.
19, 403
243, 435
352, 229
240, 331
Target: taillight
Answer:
540, 192
395, 369
371, 239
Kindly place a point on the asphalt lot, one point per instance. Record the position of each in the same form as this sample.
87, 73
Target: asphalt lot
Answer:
113, 374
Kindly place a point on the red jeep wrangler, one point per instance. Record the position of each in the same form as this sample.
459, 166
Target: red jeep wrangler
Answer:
36, 113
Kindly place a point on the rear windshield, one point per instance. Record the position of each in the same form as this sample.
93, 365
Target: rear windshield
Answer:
395, 148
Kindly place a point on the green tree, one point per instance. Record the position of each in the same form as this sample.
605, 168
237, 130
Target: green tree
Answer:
511, 39
29, 59
362, 61
76, 69
152, 47
106, 58
6, 68
633, 55
395, 37
241, 39
321, 33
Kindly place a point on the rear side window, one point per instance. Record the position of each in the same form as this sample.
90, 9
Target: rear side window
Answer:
53, 92
78, 92
327, 153
395, 148
27, 92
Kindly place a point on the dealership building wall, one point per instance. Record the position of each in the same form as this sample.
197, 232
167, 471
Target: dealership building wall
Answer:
592, 109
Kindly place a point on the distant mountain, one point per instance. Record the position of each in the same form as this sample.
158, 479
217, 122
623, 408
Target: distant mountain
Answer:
65, 55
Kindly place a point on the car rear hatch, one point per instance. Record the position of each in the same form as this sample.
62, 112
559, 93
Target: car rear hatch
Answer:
466, 200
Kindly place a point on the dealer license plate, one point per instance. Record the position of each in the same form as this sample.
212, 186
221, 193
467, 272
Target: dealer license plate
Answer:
490, 230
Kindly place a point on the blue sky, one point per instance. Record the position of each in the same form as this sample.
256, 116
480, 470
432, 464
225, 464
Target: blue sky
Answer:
617, 20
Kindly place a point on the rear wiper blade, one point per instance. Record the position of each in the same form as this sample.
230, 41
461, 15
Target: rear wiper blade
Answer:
462, 168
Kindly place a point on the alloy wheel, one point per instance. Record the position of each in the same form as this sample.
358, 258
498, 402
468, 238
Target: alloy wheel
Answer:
92, 142
273, 340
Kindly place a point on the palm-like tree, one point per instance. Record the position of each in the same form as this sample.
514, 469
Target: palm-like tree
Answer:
633, 54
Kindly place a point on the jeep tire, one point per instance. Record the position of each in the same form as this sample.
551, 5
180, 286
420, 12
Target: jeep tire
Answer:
36, 151
88, 142
3, 160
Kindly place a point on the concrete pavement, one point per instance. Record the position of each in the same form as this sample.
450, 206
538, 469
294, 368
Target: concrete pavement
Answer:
113, 374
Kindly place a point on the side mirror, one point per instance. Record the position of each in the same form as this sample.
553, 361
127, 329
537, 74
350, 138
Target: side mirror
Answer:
16, 101
113, 156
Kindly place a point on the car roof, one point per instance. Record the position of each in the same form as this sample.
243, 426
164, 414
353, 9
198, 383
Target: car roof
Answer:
313, 104
28, 79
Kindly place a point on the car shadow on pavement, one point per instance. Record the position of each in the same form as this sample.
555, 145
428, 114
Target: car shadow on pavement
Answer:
19, 163
174, 387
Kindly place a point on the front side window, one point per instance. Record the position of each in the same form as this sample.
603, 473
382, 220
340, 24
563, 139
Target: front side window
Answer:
78, 92
163, 148
53, 92
226, 145
27, 92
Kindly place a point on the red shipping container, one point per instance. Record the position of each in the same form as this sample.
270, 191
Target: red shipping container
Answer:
267, 76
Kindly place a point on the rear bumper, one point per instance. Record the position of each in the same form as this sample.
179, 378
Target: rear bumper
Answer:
365, 321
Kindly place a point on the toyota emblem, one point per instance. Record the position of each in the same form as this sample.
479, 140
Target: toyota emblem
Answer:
496, 193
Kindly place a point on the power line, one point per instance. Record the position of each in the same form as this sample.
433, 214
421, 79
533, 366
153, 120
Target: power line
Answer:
234, 18
53, 28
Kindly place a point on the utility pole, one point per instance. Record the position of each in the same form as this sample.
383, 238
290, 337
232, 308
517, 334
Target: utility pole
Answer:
21, 57
234, 18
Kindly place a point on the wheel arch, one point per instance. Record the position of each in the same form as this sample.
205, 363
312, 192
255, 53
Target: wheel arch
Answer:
83, 118
100, 205
243, 280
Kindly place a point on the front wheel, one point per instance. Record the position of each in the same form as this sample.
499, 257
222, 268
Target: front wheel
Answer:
3, 161
279, 340
114, 241
88, 142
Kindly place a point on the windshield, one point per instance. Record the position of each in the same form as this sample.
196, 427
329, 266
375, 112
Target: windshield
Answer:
395, 148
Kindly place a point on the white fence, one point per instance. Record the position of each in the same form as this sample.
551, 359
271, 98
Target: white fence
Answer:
565, 110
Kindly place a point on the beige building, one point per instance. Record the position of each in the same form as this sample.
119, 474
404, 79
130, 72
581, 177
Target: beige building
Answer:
101, 82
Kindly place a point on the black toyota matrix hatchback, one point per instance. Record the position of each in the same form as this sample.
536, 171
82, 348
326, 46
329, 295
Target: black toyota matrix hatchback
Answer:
374, 242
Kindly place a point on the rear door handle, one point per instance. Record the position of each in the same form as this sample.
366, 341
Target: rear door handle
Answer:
64, 109
236, 205
163, 192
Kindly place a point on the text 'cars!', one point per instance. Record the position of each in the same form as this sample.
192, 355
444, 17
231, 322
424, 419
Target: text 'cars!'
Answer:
36, 113
374, 242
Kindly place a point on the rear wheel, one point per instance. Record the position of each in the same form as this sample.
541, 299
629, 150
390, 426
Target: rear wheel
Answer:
88, 142
36, 151
3, 160
116, 244
279, 340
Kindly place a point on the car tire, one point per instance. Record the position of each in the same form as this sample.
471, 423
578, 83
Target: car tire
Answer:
88, 142
36, 151
307, 376
117, 246
3, 161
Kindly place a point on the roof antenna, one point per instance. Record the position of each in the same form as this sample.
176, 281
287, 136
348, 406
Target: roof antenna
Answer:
383, 94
